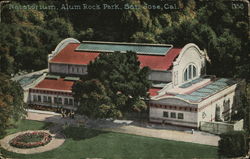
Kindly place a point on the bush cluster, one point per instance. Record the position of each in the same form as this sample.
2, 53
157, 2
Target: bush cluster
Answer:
21, 140
233, 144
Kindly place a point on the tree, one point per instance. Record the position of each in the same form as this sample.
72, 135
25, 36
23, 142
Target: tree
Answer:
121, 74
12, 106
93, 100
6, 61
217, 15
115, 84
134, 20
28, 35
140, 37
242, 110
62, 27
226, 55
86, 35
5, 112
233, 144
230, 55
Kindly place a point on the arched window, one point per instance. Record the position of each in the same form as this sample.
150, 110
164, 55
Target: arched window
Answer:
185, 75
194, 71
190, 72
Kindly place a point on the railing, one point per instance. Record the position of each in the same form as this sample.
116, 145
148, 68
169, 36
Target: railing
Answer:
166, 88
54, 105
35, 82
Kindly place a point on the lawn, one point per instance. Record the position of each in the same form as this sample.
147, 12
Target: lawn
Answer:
88, 143
23, 125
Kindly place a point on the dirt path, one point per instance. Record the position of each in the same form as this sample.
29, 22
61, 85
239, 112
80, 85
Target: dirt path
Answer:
168, 134
196, 137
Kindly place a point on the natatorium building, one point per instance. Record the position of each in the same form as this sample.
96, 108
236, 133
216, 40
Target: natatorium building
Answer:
181, 94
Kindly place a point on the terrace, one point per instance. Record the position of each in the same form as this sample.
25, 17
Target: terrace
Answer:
201, 88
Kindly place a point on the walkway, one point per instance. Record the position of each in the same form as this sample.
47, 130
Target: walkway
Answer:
151, 130
169, 135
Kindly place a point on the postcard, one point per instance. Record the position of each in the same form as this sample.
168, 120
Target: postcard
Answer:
128, 79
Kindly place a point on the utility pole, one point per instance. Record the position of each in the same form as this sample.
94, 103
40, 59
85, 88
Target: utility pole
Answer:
1, 3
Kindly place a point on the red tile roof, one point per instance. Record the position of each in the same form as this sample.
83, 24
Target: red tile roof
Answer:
159, 62
63, 85
69, 55
153, 91
53, 84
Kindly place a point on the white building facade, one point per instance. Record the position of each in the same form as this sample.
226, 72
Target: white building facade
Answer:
181, 94
192, 97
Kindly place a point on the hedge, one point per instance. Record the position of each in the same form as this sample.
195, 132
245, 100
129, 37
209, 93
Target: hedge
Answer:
233, 144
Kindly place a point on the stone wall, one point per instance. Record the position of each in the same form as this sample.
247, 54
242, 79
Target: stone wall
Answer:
239, 125
220, 127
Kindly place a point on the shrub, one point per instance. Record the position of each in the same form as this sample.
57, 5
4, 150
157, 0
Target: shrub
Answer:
31, 140
233, 144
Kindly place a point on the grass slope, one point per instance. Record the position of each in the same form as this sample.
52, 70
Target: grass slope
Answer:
88, 143
23, 125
